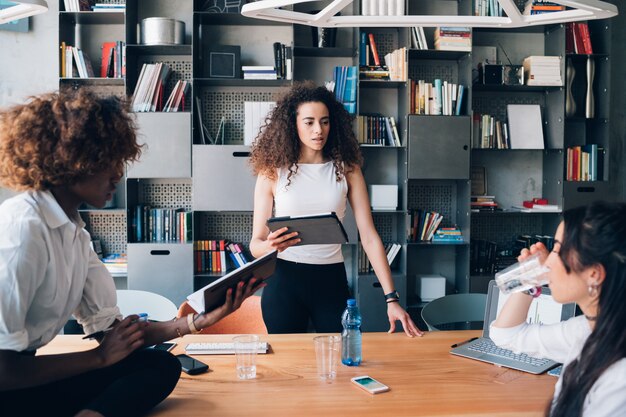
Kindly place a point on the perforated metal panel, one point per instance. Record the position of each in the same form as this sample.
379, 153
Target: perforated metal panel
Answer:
439, 198
109, 228
384, 225
166, 195
495, 104
180, 69
230, 105
431, 70
504, 229
236, 227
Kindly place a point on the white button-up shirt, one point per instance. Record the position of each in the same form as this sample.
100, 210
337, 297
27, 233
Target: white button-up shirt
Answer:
47, 272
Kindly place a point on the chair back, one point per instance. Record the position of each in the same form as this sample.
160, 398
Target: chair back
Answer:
439, 314
247, 319
156, 306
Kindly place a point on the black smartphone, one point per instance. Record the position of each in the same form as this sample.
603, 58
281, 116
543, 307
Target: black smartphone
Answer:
192, 366
164, 346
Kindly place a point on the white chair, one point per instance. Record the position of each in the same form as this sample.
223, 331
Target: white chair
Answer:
156, 306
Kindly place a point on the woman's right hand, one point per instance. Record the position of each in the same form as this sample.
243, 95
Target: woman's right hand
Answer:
538, 248
281, 240
125, 337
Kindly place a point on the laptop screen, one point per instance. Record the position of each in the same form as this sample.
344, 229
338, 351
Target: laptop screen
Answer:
543, 309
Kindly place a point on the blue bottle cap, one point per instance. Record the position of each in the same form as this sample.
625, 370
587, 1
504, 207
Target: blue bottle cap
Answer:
351, 302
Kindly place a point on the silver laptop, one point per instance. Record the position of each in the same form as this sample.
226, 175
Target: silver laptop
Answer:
542, 310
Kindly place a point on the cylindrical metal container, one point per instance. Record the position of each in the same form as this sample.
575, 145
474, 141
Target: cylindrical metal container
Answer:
162, 31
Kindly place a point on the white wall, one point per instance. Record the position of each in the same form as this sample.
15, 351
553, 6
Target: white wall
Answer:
29, 60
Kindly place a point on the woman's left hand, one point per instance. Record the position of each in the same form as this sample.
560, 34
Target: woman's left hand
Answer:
396, 312
233, 302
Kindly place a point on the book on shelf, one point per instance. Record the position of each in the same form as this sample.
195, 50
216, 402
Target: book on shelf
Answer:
150, 224
344, 86
217, 256
543, 70
259, 72
525, 126
585, 163
377, 130
176, 100
487, 8
453, 38
439, 98
396, 63
382, 7
534, 7
148, 94
418, 38
373, 49
448, 235
489, 132
255, 115
423, 225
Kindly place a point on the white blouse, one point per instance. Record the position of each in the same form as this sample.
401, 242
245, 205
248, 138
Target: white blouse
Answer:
313, 189
47, 272
563, 342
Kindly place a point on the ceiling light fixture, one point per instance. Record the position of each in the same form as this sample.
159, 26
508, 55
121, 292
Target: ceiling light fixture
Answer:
275, 10
19, 9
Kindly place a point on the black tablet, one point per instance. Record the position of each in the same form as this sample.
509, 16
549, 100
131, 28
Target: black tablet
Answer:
214, 295
317, 229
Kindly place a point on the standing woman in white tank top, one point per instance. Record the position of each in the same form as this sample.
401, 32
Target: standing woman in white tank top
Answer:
308, 161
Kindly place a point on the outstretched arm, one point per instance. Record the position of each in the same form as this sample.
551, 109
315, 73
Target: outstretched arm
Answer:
359, 200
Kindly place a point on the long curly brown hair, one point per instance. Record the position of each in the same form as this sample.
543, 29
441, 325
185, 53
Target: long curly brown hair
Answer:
59, 138
278, 146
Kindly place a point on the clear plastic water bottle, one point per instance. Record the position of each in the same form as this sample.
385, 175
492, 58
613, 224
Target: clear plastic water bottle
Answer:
351, 335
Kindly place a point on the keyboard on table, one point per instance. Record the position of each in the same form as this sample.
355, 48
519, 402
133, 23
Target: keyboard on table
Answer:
487, 346
219, 348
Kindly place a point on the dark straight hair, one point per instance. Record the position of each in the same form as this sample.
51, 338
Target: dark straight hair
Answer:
595, 235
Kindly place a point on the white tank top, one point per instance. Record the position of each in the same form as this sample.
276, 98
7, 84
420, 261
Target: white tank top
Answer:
314, 189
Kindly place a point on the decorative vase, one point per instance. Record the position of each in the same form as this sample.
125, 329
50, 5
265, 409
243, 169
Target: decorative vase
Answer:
589, 102
570, 103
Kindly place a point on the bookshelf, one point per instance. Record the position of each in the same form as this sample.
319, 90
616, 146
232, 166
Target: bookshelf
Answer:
431, 168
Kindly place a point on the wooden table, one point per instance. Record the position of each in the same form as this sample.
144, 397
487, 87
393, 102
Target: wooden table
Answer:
425, 380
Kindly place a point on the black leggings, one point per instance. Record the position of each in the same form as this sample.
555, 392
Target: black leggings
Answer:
297, 293
131, 387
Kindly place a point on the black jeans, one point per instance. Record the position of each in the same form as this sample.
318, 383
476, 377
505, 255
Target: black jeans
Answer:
131, 387
297, 293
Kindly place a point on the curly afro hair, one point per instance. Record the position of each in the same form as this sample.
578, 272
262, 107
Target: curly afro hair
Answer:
59, 138
278, 146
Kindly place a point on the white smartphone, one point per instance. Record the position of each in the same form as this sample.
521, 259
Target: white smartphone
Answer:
369, 384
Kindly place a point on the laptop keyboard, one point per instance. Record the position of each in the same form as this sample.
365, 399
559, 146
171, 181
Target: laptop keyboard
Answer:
487, 346
218, 348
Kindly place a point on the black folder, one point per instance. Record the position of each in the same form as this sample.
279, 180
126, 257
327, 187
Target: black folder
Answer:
317, 229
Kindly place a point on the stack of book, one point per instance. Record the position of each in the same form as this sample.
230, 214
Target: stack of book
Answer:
282, 61
116, 264
211, 256
439, 98
448, 235
451, 38
487, 8
391, 250
483, 203
160, 224
423, 225
577, 39
109, 7
418, 38
543, 70
259, 72
75, 63
489, 133
176, 101
377, 131
148, 94
396, 62
585, 163
371, 69
382, 8
345, 87
540, 6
